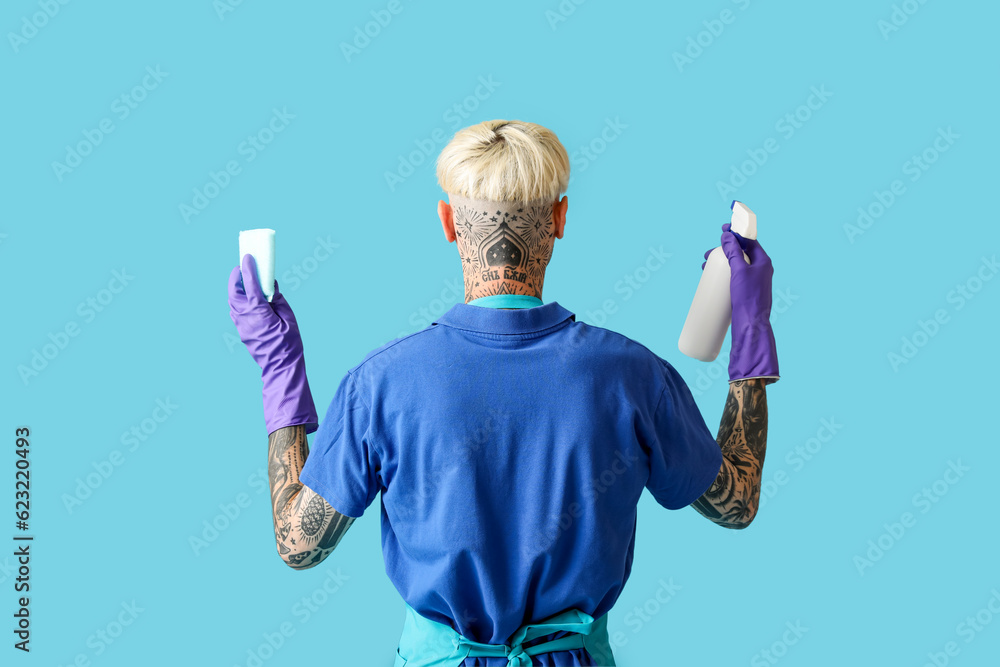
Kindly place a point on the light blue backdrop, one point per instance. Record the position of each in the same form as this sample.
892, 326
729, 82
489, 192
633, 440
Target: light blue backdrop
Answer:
806, 111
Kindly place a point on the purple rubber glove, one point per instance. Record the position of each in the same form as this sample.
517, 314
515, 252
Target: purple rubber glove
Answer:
753, 353
272, 336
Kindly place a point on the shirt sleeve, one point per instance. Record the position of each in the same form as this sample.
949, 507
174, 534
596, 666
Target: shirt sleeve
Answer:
684, 457
343, 464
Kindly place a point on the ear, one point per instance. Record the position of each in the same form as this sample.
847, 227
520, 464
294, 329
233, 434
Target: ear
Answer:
559, 216
447, 220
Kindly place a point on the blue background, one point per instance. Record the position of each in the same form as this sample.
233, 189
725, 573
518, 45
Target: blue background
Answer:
848, 302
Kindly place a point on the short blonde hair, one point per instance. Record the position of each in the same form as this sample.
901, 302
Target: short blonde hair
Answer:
504, 160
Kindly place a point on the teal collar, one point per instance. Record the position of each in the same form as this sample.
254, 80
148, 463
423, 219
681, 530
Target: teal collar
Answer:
507, 301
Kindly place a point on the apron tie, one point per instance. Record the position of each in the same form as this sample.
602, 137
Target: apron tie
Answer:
515, 652
427, 643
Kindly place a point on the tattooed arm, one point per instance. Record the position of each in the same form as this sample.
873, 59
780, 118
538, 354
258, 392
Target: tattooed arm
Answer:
306, 528
732, 499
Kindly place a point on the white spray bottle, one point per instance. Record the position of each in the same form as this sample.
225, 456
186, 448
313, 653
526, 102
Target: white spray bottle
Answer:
712, 309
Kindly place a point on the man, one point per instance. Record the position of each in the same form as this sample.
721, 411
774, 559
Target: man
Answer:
510, 443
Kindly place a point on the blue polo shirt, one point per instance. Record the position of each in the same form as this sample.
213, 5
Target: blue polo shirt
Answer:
511, 448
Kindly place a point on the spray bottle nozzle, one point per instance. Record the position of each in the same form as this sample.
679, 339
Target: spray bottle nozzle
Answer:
743, 220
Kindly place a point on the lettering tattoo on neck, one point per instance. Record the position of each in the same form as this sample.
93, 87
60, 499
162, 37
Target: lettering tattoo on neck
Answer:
505, 247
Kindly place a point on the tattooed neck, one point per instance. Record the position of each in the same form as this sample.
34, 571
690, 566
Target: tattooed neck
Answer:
504, 246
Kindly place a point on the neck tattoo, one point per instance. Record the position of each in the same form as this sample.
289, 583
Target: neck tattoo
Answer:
504, 246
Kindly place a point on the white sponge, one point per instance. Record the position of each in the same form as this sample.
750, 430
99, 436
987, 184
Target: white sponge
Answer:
260, 244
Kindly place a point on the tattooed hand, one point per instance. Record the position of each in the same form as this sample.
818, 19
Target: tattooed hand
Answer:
732, 499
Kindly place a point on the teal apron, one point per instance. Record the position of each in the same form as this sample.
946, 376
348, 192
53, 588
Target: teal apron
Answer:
427, 643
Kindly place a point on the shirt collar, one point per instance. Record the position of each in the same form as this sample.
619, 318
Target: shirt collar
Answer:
498, 321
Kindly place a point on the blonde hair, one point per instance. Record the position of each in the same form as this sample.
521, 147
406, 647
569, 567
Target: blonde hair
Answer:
504, 160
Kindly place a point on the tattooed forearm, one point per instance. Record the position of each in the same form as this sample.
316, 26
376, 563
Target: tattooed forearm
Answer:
732, 499
306, 528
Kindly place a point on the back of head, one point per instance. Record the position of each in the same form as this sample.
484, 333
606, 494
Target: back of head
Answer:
504, 161
503, 179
